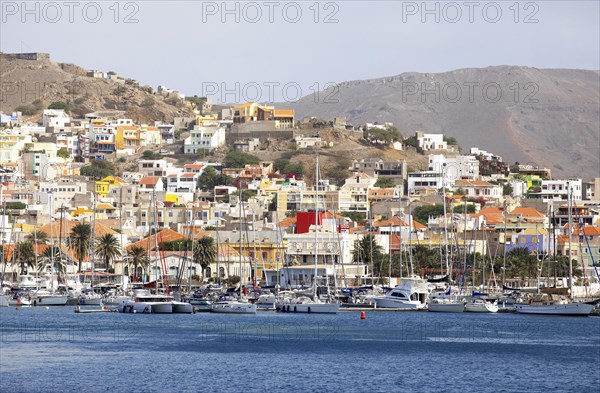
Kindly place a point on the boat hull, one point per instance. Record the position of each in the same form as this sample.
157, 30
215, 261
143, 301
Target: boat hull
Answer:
129, 307
309, 308
90, 301
4, 301
234, 308
446, 307
388, 302
182, 308
50, 300
481, 307
575, 309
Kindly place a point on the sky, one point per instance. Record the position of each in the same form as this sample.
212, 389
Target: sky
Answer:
269, 50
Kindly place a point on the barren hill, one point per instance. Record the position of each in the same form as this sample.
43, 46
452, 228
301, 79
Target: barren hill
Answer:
547, 116
37, 83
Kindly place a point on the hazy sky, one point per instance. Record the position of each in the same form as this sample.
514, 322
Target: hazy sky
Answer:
197, 47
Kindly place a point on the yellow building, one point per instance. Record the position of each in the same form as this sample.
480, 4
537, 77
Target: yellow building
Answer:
102, 187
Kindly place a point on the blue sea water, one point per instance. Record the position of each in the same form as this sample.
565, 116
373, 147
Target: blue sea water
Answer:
56, 350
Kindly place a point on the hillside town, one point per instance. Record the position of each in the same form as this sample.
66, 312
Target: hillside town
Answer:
123, 180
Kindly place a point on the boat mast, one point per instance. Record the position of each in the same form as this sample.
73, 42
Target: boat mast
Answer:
569, 205
445, 224
52, 245
316, 221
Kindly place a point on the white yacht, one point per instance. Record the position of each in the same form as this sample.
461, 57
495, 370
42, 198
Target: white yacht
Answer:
43, 297
411, 293
266, 301
233, 307
304, 304
147, 304
182, 307
481, 305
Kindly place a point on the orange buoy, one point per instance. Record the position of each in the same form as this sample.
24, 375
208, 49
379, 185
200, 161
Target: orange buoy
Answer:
363, 315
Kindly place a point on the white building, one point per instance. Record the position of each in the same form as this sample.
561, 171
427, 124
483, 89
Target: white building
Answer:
303, 142
55, 118
208, 136
431, 141
479, 188
426, 180
458, 167
557, 190
332, 249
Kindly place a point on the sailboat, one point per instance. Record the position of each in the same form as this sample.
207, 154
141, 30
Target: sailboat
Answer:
446, 301
545, 304
309, 304
45, 297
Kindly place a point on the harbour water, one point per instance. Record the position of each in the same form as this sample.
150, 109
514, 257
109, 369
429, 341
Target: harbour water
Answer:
56, 350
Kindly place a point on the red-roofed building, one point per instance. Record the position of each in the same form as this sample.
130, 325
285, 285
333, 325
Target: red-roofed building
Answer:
151, 183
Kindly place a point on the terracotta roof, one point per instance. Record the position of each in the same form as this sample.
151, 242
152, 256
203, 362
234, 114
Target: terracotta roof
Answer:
189, 175
287, 222
589, 230
67, 226
527, 212
150, 180
193, 166
149, 242
39, 250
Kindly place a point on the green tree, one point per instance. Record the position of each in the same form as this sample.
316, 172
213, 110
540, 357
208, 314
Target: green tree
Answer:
37, 237
63, 153
50, 254
107, 247
239, 159
461, 209
422, 213
60, 105
205, 252
354, 216
138, 257
79, 242
366, 250
507, 189
385, 182
98, 169
26, 110
210, 178
25, 255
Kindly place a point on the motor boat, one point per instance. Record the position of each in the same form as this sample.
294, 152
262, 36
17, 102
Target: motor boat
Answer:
411, 293
144, 302
233, 307
305, 304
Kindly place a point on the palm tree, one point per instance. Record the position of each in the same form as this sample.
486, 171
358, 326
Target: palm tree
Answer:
107, 247
205, 252
52, 253
25, 255
37, 237
138, 257
79, 242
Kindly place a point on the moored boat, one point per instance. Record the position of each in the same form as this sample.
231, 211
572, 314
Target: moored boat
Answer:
233, 307
481, 306
411, 293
